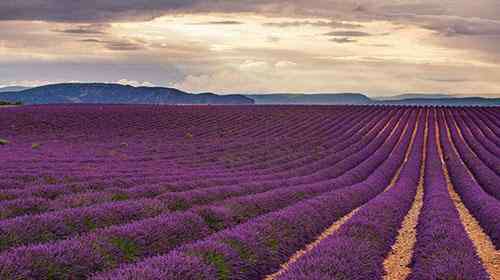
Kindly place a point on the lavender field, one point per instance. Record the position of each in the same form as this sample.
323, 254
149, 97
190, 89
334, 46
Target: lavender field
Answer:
249, 192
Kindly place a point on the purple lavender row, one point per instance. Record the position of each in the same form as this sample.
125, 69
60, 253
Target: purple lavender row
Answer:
305, 167
481, 132
32, 229
59, 256
490, 134
244, 208
490, 160
53, 189
491, 123
37, 205
59, 225
286, 165
251, 250
74, 259
484, 207
121, 244
443, 249
281, 168
486, 177
254, 249
358, 249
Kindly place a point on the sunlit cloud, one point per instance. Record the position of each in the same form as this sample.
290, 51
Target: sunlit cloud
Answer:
381, 47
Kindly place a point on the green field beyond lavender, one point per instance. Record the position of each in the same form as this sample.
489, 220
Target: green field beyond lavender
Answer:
249, 192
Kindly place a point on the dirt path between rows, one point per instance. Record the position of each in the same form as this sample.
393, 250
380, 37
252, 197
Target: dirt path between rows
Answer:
335, 226
396, 265
485, 249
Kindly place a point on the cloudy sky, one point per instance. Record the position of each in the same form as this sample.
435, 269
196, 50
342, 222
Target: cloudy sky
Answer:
379, 47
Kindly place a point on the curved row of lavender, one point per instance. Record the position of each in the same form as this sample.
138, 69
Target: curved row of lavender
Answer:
321, 174
358, 248
208, 192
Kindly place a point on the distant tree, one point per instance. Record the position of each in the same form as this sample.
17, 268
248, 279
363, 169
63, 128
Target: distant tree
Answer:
5, 103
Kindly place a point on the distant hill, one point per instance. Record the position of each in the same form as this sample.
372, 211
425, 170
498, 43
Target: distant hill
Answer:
450, 101
13, 89
116, 94
318, 99
415, 96
125, 94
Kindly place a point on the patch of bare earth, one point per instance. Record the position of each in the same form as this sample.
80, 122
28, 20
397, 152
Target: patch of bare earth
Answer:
335, 226
396, 265
485, 249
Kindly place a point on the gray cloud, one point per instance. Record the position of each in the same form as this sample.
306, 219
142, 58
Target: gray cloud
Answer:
333, 24
223, 22
471, 28
273, 39
447, 80
343, 40
89, 29
454, 26
89, 11
418, 8
348, 33
91, 41
117, 10
118, 45
123, 46
91, 71
79, 31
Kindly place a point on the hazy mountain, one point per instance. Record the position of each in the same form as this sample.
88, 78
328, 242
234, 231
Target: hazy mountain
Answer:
415, 96
319, 99
124, 94
450, 101
13, 89
116, 94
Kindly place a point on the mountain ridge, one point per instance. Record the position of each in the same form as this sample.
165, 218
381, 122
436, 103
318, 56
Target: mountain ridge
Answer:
111, 93
13, 88
116, 94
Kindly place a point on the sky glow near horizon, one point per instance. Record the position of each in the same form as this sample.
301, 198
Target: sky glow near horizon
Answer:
374, 47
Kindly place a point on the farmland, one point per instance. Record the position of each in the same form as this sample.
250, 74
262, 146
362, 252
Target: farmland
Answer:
249, 192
